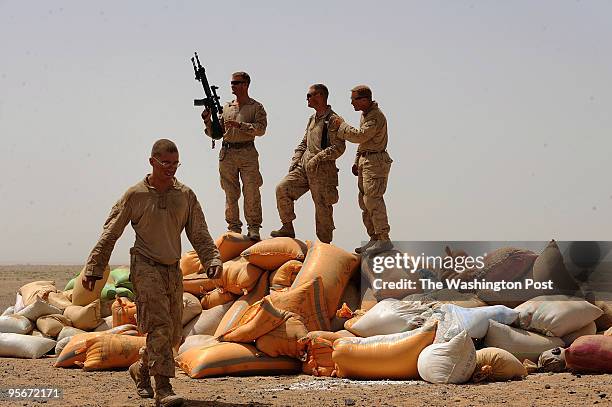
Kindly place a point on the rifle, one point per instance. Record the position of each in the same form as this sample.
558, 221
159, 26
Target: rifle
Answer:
211, 102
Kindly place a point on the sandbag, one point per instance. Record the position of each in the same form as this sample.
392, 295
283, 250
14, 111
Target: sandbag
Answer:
123, 312
24, 346
334, 265
495, 364
120, 275
552, 360
285, 275
239, 307
81, 296
284, 339
449, 362
16, 324
59, 300
61, 344
608, 332
589, 329
52, 325
556, 315
475, 321
231, 244
19, 305
36, 332
9, 311
37, 309
107, 323
207, 321
270, 254
69, 332
522, 344
86, 318
368, 299
191, 308
506, 263
233, 359
70, 284
605, 320
190, 263
319, 346
125, 292
108, 293
238, 276
307, 301
195, 341
390, 316
40, 289
198, 284
112, 351
259, 319
592, 353
216, 297
549, 266
382, 356
350, 300
68, 294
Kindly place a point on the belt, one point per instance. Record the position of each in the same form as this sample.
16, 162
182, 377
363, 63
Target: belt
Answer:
149, 261
366, 153
243, 144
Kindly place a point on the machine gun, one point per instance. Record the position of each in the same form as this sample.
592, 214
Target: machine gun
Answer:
211, 102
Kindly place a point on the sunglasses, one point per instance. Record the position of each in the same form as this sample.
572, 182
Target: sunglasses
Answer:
237, 82
359, 97
167, 164
309, 95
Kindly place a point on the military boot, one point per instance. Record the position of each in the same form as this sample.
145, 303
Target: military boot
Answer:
363, 248
164, 395
235, 229
285, 231
139, 372
253, 234
379, 246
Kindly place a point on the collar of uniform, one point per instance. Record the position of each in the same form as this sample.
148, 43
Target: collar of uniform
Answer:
373, 107
175, 182
327, 112
235, 102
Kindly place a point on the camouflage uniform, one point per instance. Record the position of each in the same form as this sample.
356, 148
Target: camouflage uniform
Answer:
158, 220
373, 163
313, 168
239, 159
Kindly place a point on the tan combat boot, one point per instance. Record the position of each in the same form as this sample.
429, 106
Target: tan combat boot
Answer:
164, 395
253, 234
366, 246
139, 372
285, 231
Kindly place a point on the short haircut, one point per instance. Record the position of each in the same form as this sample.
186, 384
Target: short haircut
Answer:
363, 91
322, 89
245, 76
163, 146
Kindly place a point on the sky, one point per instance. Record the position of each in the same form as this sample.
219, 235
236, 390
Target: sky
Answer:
498, 112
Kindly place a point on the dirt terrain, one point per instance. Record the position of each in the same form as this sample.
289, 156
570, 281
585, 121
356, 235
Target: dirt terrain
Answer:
116, 388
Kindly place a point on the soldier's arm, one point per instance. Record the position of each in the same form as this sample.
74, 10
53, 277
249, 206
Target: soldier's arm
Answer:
113, 229
208, 126
258, 127
197, 233
299, 150
364, 133
336, 148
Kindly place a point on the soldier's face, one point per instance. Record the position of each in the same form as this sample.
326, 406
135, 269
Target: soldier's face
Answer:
239, 85
165, 166
313, 98
360, 103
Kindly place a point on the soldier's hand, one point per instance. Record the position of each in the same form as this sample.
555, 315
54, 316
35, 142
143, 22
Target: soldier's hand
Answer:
355, 170
231, 123
293, 166
214, 272
88, 282
335, 123
206, 115
312, 165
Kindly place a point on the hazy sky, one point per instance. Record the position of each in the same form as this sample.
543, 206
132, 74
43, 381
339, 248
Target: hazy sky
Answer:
499, 112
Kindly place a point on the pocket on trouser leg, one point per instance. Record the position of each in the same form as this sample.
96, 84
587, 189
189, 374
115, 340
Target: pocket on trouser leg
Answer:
374, 186
331, 196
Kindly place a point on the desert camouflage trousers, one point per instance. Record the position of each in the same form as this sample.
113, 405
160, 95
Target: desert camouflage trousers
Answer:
372, 183
159, 310
237, 164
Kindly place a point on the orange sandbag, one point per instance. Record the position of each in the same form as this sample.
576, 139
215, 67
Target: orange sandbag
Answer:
198, 284
216, 297
307, 301
123, 311
335, 266
285, 274
270, 254
590, 353
383, 356
233, 359
238, 276
284, 339
319, 348
190, 263
495, 365
112, 351
231, 244
259, 319
239, 307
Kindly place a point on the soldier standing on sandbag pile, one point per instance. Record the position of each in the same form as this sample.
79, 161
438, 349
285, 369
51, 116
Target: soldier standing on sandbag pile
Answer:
372, 166
159, 208
243, 119
313, 167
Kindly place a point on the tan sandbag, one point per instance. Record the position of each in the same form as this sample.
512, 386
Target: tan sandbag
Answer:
284, 339
233, 359
307, 301
556, 315
198, 284
270, 254
68, 294
608, 332
52, 325
382, 357
495, 364
605, 320
81, 296
284, 275
216, 297
238, 276
239, 307
522, 344
589, 329
40, 289
550, 266
259, 319
59, 300
191, 308
112, 351
85, 318
37, 333
319, 348
231, 244
207, 322
190, 263
335, 266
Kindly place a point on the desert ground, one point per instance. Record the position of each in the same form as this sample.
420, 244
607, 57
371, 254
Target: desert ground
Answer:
115, 388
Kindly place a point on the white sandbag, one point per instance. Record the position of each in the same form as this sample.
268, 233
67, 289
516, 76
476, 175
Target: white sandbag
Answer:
391, 316
61, 344
589, 329
37, 309
9, 311
19, 305
16, 324
207, 322
36, 332
107, 323
196, 340
69, 332
556, 315
473, 320
191, 307
449, 362
24, 346
522, 344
